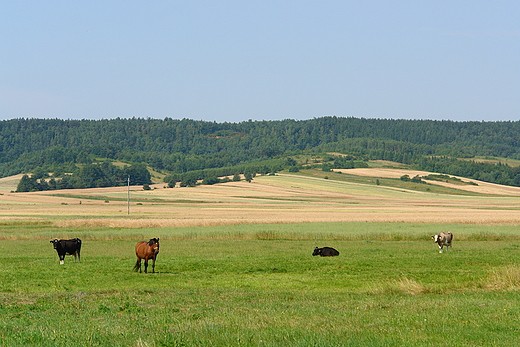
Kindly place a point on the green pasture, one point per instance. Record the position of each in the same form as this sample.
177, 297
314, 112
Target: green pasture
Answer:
258, 285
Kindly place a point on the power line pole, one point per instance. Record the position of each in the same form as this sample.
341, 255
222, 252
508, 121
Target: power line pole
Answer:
128, 196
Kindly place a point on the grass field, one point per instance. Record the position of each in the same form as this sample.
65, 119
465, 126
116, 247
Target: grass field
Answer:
226, 292
235, 266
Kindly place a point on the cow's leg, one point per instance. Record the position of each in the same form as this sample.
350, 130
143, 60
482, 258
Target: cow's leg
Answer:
79, 258
440, 249
62, 259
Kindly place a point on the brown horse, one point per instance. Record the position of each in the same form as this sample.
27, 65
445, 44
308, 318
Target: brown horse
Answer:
146, 250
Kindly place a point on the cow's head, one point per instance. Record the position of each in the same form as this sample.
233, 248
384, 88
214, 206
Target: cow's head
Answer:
317, 251
435, 238
55, 242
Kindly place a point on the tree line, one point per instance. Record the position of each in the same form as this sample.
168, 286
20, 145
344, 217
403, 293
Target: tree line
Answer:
199, 148
87, 176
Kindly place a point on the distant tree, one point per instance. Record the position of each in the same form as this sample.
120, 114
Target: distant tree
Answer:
43, 185
248, 176
139, 174
27, 184
52, 183
93, 176
290, 162
189, 180
417, 179
211, 180
39, 173
83, 158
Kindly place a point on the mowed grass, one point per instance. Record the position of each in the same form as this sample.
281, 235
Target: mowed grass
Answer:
258, 285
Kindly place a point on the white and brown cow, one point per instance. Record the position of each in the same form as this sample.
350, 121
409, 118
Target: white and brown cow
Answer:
443, 239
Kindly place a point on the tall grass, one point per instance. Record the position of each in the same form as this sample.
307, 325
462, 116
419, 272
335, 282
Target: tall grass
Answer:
506, 277
338, 231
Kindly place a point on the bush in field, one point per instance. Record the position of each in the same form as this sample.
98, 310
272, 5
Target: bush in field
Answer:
211, 180
189, 182
415, 179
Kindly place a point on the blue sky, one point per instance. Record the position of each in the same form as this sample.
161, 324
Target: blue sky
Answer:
230, 61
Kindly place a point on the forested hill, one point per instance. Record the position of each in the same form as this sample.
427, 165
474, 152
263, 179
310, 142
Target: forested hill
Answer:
179, 146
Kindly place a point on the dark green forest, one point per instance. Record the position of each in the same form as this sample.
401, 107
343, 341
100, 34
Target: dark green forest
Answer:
79, 152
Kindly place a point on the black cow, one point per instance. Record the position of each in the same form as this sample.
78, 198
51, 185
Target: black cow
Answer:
63, 247
325, 252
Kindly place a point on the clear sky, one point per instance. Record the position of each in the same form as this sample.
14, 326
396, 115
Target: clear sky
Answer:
261, 60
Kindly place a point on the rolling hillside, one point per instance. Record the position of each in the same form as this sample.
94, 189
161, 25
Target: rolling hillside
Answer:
187, 150
281, 198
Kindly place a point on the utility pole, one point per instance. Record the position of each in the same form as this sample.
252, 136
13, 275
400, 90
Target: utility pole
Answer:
128, 196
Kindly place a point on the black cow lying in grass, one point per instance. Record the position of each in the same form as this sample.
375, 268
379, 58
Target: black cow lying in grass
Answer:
325, 252
63, 247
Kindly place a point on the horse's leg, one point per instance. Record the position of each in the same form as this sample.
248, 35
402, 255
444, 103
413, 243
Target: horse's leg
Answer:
137, 265
145, 265
153, 265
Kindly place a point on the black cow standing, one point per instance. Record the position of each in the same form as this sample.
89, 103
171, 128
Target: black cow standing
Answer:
325, 252
64, 247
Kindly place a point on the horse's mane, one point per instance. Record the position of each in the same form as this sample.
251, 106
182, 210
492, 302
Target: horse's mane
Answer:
152, 241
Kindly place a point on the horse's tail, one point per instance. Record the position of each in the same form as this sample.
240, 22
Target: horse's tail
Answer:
136, 266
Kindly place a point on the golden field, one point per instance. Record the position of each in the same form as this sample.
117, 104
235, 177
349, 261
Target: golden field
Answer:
282, 198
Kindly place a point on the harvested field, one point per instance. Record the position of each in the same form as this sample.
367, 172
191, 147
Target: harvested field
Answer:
481, 187
284, 198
